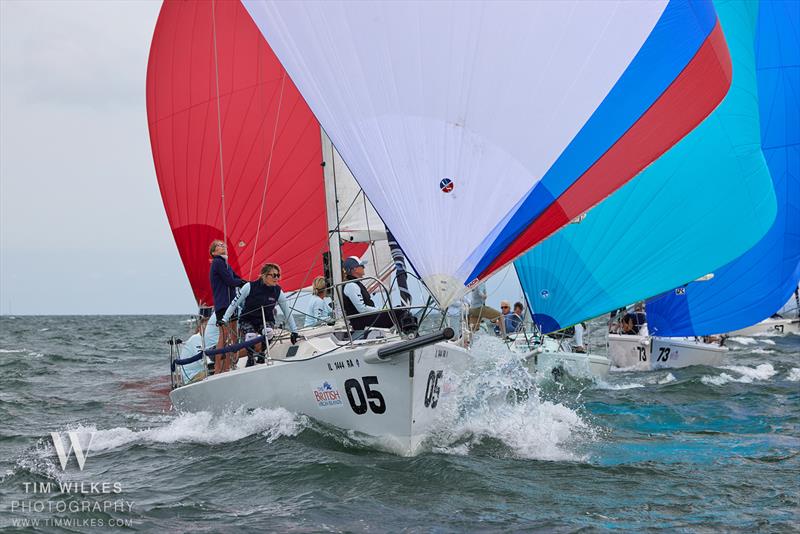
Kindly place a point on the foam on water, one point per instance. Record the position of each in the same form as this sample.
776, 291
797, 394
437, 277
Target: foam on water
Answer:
793, 375
647, 381
667, 379
767, 341
762, 351
25, 351
744, 340
533, 429
765, 371
202, 427
499, 400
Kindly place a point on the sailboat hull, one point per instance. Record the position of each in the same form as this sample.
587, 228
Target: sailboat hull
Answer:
396, 403
646, 353
547, 355
573, 363
770, 326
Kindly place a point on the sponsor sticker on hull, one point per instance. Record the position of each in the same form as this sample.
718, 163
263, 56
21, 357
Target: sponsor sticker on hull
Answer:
327, 395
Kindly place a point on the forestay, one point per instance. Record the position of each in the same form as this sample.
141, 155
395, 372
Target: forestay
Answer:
759, 282
700, 205
466, 122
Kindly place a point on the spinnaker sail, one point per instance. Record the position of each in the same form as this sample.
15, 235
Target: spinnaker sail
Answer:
478, 128
236, 149
238, 152
758, 283
700, 205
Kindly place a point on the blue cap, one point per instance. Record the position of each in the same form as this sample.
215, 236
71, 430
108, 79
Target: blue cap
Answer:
352, 262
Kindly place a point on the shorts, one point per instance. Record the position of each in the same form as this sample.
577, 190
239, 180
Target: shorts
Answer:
247, 327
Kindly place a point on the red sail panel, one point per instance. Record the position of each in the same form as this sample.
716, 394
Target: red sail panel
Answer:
274, 195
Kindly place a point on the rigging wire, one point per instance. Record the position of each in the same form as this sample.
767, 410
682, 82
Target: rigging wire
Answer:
266, 177
219, 122
369, 236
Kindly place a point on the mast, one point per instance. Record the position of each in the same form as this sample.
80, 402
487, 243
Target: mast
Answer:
332, 210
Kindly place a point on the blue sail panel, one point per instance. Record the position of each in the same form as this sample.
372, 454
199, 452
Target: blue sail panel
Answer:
702, 204
758, 283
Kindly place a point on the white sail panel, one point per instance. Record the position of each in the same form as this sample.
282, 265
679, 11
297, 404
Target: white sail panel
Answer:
486, 95
351, 216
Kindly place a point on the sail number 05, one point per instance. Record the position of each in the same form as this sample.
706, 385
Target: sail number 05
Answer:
432, 389
358, 396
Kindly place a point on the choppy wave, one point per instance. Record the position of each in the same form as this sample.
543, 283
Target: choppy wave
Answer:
23, 351
762, 351
794, 375
533, 429
499, 402
203, 428
747, 375
743, 340
646, 381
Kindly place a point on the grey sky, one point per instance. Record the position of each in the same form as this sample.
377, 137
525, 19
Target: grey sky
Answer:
82, 227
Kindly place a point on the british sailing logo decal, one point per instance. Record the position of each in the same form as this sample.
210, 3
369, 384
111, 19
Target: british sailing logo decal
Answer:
446, 185
327, 396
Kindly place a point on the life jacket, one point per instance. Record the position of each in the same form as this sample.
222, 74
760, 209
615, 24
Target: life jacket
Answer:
349, 307
261, 295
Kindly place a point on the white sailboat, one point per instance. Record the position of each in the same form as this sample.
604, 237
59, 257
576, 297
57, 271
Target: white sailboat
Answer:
775, 326
779, 324
642, 352
545, 354
429, 140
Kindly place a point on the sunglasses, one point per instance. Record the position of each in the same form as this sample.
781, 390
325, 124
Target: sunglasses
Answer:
276, 276
504, 307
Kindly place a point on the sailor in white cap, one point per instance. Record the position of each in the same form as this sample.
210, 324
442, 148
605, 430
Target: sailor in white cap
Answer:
357, 300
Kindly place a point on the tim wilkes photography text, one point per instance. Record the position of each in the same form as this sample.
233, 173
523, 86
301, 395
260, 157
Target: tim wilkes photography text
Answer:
69, 503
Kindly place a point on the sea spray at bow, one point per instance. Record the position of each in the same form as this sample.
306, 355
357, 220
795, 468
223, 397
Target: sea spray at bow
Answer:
499, 402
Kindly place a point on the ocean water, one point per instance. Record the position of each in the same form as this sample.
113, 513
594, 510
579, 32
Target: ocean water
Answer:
697, 449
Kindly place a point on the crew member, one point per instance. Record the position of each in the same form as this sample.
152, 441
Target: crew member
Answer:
224, 283
357, 300
256, 304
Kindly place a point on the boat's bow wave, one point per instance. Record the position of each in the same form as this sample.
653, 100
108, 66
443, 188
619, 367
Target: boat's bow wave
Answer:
496, 409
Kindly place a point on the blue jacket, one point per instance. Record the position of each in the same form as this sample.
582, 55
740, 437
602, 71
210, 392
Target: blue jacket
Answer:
223, 283
513, 322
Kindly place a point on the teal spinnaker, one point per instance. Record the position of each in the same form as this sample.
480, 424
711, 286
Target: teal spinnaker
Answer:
702, 204
758, 283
